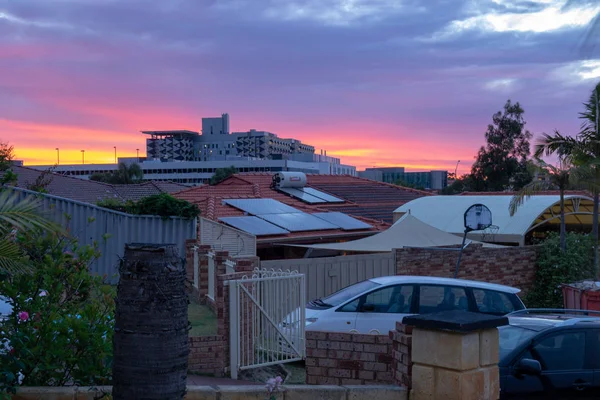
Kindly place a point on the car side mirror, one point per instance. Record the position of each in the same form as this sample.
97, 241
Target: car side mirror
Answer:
527, 366
367, 308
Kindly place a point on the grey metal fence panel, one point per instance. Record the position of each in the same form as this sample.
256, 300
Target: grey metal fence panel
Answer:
326, 275
111, 230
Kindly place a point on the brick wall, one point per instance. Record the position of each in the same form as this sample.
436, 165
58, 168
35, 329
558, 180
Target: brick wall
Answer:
512, 266
347, 359
207, 354
401, 354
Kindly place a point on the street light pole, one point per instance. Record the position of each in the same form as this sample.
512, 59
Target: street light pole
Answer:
137, 152
456, 169
57, 156
115, 154
83, 156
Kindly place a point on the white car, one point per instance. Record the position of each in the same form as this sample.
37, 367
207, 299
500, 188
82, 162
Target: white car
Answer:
374, 305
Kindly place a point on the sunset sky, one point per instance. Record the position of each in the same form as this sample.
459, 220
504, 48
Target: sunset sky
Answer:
412, 83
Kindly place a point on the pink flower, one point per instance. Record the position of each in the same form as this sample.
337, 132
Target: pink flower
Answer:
43, 293
23, 316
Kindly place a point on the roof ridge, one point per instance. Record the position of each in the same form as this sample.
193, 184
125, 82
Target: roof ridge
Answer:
397, 186
61, 175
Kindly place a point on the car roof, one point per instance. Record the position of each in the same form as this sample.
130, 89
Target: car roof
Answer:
539, 322
398, 279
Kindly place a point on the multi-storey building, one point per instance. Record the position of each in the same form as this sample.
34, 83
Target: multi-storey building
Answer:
216, 143
435, 180
200, 172
191, 158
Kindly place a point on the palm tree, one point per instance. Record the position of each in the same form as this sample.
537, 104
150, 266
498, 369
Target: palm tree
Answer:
583, 151
18, 214
559, 179
127, 174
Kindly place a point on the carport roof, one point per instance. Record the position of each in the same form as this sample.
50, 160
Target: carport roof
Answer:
447, 213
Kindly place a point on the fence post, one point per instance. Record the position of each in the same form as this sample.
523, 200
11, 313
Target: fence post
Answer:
196, 267
211, 275
234, 334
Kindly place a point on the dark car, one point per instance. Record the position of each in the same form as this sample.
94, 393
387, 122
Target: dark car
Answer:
550, 354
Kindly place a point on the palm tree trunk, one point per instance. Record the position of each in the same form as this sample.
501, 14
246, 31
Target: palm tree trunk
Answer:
595, 227
563, 229
596, 195
150, 356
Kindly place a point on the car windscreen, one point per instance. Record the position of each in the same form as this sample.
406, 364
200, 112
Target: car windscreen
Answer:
349, 292
512, 336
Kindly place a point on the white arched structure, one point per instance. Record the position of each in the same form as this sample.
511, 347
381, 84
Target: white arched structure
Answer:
536, 213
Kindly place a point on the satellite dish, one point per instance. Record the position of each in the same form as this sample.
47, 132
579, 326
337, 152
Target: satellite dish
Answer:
477, 217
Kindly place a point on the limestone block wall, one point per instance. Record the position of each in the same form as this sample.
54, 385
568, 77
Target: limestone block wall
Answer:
451, 365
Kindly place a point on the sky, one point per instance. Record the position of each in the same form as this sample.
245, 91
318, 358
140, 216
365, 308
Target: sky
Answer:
409, 83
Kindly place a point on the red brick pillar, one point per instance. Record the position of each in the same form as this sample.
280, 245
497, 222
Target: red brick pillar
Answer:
401, 354
189, 263
246, 264
203, 250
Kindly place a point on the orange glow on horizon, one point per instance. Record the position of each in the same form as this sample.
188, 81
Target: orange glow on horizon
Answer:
35, 144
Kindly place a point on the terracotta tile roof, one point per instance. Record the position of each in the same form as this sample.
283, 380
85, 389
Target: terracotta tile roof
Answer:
90, 191
369, 201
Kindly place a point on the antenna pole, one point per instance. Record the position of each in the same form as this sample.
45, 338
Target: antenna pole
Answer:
462, 247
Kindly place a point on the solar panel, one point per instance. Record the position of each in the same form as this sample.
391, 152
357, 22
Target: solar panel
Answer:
298, 222
261, 206
300, 194
342, 220
327, 197
254, 226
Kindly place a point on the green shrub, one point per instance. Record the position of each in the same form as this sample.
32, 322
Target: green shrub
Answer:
118, 205
554, 268
162, 204
60, 329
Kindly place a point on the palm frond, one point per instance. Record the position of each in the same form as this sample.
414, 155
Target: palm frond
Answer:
11, 258
555, 144
526, 192
23, 214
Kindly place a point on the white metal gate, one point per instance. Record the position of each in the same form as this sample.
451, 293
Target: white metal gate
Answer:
267, 319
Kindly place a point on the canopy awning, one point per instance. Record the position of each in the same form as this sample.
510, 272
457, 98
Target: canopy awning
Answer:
408, 231
447, 213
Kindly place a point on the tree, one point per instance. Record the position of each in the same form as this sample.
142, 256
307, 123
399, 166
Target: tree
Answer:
124, 175
7, 155
584, 152
558, 179
221, 174
503, 163
162, 204
42, 181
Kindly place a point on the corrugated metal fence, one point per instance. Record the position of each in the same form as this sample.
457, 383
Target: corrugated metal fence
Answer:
112, 229
325, 275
